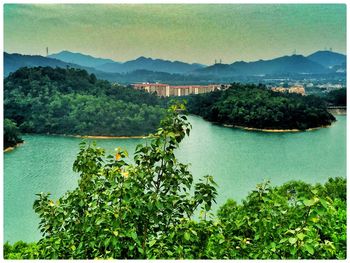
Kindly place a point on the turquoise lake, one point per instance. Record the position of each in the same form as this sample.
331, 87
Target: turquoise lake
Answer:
237, 159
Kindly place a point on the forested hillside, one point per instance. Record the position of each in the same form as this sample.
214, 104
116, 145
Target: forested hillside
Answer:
71, 101
257, 107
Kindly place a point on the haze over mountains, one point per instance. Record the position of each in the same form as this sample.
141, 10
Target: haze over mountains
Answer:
108, 65
148, 69
327, 59
81, 59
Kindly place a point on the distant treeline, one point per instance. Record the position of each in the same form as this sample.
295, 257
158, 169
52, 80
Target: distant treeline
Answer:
71, 101
257, 107
337, 97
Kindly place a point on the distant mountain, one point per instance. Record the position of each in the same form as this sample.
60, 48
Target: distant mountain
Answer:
143, 63
12, 62
340, 68
295, 64
327, 59
81, 59
216, 69
137, 70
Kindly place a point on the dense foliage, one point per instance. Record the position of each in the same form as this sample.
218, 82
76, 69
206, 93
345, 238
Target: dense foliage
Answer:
146, 210
337, 97
256, 107
70, 101
295, 220
11, 134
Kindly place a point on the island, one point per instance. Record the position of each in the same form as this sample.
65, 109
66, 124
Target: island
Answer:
255, 107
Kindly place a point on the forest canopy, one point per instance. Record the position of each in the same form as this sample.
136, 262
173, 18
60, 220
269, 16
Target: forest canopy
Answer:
71, 101
257, 107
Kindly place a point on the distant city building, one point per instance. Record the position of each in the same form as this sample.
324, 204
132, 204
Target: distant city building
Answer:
160, 89
330, 86
279, 89
294, 89
297, 89
166, 90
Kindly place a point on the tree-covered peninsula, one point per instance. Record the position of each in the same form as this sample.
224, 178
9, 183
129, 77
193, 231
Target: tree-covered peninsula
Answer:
71, 101
11, 134
255, 106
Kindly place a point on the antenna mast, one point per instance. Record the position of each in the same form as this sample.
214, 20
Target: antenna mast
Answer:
47, 51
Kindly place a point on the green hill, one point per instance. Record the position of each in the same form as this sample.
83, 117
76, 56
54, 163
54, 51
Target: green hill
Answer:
257, 107
71, 101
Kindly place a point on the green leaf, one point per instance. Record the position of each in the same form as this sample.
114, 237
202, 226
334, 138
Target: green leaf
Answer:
300, 236
106, 242
324, 203
309, 202
187, 236
133, 235
292, 240
152, 242
283, 240
293, 250
309, 249
99, 221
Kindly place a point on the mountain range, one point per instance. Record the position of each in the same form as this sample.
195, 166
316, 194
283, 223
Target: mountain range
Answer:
327, 59
12, 62
320, 62
141, 63
80, 59
142, 68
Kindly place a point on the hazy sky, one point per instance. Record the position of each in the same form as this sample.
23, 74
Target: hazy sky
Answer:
191, 33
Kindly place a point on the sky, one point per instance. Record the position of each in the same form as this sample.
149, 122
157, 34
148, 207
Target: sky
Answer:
195, 33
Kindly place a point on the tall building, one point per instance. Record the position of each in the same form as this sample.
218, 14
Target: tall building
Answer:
166, 90
161, 89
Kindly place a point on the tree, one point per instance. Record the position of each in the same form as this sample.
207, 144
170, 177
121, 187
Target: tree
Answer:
122, 210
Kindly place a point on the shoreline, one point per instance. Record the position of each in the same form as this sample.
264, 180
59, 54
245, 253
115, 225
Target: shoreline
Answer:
11, 148
106, 137
337, 111
266, 130
274, 130
92, 136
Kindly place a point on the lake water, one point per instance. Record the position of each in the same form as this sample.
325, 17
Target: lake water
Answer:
237, 159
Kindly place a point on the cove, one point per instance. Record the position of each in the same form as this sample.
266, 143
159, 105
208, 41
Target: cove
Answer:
237, 159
